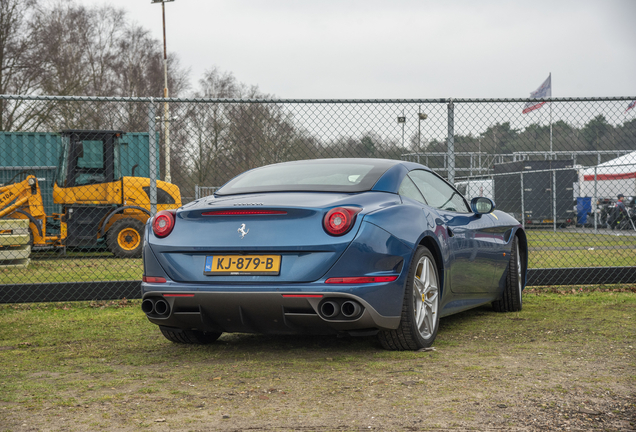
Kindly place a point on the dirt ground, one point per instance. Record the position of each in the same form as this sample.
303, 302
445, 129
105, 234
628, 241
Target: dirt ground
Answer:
554, 366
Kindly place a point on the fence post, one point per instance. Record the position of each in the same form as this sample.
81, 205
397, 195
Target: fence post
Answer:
523, 204
451, 142
554, 201
152, 152
595, 203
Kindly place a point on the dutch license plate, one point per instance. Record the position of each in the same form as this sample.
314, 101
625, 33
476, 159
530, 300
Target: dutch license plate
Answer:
547, 221
242, 265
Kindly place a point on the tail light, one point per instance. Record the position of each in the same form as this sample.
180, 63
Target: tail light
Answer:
338, 221
163, 223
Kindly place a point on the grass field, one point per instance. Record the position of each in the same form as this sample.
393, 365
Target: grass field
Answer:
74, 270
582, 258
547, 250
565, 361
545, 239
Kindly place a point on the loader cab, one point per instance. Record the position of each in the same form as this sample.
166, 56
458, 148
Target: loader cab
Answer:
89, 157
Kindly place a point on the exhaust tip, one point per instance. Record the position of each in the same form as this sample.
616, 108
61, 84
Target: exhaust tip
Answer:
351, 309
330, 309
162, 307
147, 306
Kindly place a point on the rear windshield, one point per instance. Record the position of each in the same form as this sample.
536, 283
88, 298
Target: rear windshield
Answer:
314, 176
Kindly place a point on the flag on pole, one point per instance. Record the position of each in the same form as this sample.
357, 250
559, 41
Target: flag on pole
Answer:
542, 92
631, 105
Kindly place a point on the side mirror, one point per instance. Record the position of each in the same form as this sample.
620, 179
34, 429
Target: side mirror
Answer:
482, 205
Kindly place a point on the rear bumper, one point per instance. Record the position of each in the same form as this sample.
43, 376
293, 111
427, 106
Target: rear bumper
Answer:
263, 312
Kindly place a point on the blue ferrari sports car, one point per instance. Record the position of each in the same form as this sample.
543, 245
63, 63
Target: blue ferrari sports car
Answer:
354, 246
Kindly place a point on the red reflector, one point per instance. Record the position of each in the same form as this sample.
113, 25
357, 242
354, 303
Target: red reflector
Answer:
243, 212
302, 295
361, 280
178, 295
153, 279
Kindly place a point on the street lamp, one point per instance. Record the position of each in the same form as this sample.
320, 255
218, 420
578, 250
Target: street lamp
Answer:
421, 116
166, 113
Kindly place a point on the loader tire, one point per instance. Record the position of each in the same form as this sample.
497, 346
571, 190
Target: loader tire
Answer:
125, 238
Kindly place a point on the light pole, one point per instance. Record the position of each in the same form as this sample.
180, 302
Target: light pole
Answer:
402, 120
421, 116
479, 152
166, 112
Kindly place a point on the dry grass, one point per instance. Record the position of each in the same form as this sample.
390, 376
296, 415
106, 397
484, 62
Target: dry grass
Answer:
566, 360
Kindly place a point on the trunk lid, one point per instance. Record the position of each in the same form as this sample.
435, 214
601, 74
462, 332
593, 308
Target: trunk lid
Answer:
295, 234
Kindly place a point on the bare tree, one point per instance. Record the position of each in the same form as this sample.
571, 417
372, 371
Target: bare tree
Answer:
219, 140
17, 75
139, 66
95, 51
208, 127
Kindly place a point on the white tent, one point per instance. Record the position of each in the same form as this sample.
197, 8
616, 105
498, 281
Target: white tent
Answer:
617, 176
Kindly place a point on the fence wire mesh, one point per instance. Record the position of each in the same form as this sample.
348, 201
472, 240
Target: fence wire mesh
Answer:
76, 173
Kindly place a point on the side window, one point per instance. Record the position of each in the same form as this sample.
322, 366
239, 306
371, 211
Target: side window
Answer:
90, 166
438, 193
163, 197
409, 190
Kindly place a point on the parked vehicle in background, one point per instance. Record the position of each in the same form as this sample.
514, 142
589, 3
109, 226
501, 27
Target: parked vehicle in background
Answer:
548, 191
98, 203
621, 214
474, 188
601, 210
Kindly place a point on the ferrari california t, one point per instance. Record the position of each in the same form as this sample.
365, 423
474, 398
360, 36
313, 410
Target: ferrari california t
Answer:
354, 246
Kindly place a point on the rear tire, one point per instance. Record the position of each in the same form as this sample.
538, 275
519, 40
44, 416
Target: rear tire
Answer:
512, 300
125, 238
181, 336
420, 310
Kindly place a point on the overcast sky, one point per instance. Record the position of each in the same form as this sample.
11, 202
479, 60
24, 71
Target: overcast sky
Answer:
367, 49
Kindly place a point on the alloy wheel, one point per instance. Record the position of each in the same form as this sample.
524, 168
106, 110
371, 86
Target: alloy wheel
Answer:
426, 297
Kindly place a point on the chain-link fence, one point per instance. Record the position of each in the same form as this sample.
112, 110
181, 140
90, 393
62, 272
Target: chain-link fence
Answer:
79, 176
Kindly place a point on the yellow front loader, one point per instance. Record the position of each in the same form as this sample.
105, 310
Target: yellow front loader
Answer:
23, 200
98, 203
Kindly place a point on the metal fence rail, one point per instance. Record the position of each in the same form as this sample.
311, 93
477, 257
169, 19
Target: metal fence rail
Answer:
559, 171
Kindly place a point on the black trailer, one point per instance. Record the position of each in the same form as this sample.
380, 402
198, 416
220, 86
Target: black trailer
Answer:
542, 191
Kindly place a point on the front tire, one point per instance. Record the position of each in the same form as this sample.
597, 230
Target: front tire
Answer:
420, 310
196, 337
624, 225
512, 300
125, 238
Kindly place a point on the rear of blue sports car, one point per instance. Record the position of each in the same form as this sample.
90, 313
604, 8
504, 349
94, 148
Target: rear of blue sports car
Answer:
289, 249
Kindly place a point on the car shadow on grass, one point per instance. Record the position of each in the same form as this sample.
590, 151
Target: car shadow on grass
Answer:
329, 346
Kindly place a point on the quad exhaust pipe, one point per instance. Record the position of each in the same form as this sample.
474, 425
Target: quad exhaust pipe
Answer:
330, 309
155, 307
337, 309
161, 307
351, 309
147, 306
